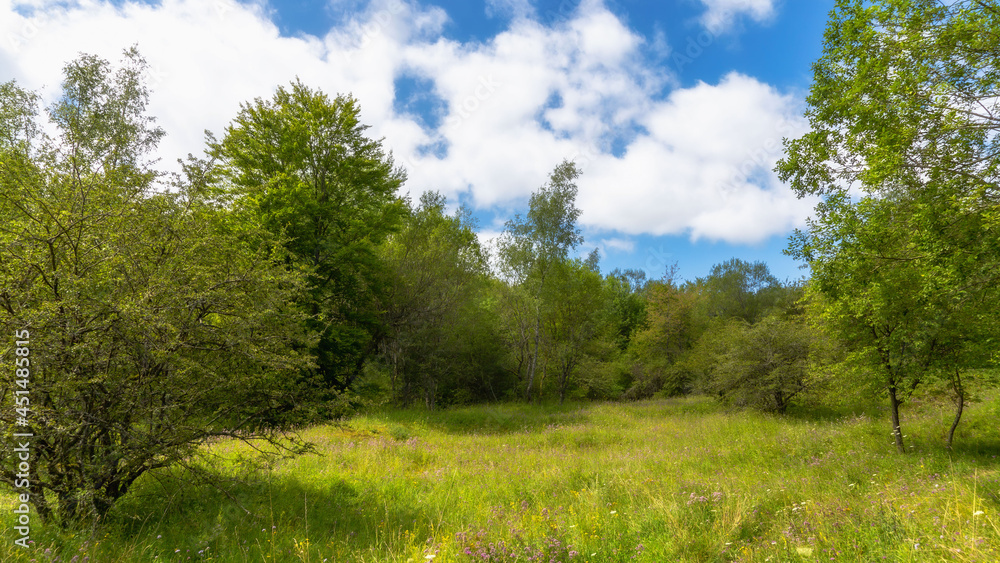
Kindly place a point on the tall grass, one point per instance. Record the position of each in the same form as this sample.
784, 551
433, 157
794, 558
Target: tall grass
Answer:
668, 480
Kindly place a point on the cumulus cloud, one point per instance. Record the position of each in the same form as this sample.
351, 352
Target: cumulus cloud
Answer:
656, 161
720, 15
704, 167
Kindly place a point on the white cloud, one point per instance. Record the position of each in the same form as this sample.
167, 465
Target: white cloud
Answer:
704, 168
720, 15
619, 244
696, 161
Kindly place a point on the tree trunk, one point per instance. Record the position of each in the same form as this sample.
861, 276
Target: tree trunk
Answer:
956, 385
894, 410
534, 357
35, 489
563, 378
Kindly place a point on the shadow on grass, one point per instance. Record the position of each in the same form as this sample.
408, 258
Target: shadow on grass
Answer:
834, 413
257, 518
504, 418
986, 450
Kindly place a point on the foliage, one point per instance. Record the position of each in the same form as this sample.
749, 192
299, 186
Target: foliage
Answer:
737, 289
154, 325
575, 322
764, 365
530, 248
903, 109
301, 165
440, 335
628, 305
672, 327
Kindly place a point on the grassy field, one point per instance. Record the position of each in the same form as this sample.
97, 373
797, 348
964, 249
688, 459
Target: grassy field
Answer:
669, 480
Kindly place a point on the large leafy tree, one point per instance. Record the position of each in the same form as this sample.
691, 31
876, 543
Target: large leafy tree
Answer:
628, 304
302, 165
575, 326
154, 325
439, 340
763, 366
533, 245
903, 149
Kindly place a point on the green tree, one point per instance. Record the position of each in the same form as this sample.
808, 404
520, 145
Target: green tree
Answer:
153, 325
737, 289
575, 321
763, 366
513, 307
301, 165
902, 110
628, 304
438, 341
672, 328
532, 246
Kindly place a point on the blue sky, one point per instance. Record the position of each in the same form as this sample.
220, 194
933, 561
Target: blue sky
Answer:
673, 109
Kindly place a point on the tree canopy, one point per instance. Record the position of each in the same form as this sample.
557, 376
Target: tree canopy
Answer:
154, 326
301, 165
903, 151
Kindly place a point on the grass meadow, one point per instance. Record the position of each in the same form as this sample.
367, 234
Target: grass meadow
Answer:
656, 481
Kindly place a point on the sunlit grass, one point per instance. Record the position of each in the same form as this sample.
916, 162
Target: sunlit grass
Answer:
671, 480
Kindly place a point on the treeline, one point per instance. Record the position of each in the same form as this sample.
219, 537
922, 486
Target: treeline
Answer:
527, 321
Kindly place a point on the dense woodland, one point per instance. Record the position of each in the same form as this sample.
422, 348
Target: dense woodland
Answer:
282, 280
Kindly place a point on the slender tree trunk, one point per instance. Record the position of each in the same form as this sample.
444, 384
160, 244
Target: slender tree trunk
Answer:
956, 385
35, 490
534, 356
394, 356
894, 410
563, 379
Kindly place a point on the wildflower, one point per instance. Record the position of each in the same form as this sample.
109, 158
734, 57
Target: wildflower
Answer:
978, 513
